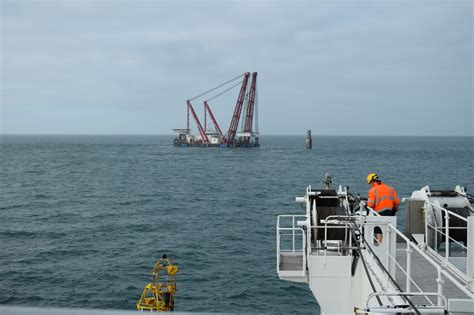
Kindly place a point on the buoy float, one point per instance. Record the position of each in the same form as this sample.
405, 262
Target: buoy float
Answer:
158, 295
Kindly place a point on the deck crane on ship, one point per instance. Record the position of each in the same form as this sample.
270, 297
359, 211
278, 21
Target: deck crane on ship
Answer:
247, 102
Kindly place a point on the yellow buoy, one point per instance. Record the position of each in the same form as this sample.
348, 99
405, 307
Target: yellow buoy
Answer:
158, 295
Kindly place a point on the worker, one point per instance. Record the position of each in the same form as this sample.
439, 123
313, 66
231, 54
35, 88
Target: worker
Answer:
383, 199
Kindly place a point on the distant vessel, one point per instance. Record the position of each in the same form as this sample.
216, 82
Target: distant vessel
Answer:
429, 269
247, 136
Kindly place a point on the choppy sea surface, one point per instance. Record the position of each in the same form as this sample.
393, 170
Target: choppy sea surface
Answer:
84, 218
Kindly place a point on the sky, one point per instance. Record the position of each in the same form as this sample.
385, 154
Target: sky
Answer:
335, 67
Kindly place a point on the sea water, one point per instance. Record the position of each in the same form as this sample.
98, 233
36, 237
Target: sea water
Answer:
83, 219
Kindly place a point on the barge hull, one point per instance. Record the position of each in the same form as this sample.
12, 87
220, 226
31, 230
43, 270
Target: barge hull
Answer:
217, 145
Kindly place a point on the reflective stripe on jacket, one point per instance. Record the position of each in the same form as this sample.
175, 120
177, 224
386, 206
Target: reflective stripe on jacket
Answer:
382, 197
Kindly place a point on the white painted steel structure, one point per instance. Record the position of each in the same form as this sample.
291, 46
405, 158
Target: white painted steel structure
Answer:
349, 272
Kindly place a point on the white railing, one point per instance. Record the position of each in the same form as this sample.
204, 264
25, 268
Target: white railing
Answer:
293, 233
411, 289
410, 247
340, 222
326, 245
448, 239
411, 294
441, 273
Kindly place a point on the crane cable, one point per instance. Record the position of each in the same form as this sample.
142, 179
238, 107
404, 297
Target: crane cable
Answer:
365, 267
384, 270
225, 91
359, 250
217, 87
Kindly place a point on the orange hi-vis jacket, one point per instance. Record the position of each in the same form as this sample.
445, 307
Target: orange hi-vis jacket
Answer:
382, 197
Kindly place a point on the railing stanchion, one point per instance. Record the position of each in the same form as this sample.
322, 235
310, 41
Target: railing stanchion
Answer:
440, 282
293, 232
425, 209
278, 243
446, 244
303, 251
408, 284
470, 254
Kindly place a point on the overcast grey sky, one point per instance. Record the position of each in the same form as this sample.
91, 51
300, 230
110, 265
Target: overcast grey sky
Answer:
339, 67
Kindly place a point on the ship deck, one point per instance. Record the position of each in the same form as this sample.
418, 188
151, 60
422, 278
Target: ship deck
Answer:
291, 262
424, 275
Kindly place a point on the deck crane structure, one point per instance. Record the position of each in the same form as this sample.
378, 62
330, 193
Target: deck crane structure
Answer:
250, 109
230, 135
207, 110
198, 123
247, 135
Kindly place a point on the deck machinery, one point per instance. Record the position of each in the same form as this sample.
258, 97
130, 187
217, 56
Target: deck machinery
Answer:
429, 269
247, 102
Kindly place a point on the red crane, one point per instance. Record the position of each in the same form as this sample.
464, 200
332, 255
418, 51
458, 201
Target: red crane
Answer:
250, 108
207, 109
198, 123
230, 135
247, 96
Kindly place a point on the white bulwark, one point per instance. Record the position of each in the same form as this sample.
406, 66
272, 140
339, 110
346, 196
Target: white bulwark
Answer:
428, 269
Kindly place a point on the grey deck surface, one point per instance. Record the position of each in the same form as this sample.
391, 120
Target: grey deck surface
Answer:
424, 274
291, 261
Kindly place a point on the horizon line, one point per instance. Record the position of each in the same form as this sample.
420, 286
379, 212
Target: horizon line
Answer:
271, 135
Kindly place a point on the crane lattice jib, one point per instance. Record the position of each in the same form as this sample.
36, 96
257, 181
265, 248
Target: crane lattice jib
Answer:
214, 121
237, 111
250, 107
198, 123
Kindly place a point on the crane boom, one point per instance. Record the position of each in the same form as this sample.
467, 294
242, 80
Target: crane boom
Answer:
230, 135
250, 107
214, 121
198, 123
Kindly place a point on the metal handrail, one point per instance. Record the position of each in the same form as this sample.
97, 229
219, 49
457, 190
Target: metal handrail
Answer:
447, 228
370, 209
293, 216
410, 244
374, 294
434, 264
439, 230
440, 270
293, 229
329, 227
446, 210
293, 234
408, 278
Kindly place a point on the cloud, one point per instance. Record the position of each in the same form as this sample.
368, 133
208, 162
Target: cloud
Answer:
335, 67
